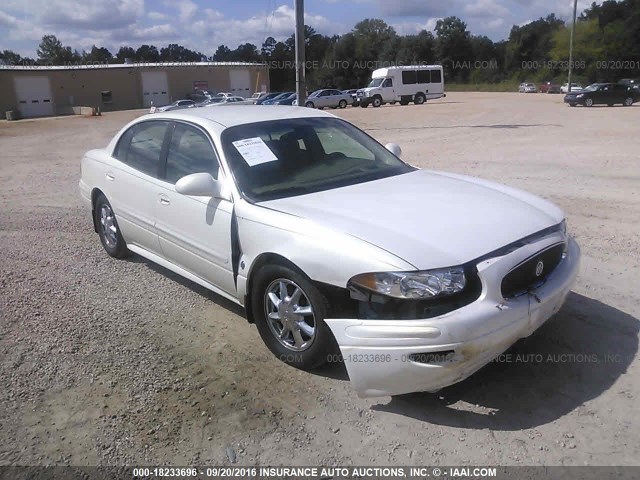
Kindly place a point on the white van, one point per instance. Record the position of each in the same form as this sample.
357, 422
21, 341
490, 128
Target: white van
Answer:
415, 84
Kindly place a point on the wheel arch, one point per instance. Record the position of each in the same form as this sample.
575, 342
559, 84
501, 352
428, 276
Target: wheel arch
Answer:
94, 196
266, 258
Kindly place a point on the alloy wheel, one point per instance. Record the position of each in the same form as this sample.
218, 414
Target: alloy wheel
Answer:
108, 226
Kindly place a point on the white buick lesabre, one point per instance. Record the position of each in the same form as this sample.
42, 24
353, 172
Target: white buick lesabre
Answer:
328, 239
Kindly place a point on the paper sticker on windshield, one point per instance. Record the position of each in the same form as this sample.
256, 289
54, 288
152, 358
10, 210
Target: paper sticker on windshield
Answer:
254, 151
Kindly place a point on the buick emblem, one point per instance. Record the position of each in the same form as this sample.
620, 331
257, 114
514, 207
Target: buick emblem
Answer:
539, 268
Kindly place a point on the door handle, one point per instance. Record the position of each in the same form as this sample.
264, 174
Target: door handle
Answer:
110, 176
164, 200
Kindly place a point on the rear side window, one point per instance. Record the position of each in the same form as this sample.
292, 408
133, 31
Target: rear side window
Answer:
424, 76
436, 76
140, 146
190, 152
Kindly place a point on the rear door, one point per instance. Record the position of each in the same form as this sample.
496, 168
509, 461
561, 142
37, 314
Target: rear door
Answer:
194, 232
131, 181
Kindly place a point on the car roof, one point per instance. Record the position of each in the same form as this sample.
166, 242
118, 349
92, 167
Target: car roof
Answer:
232, 115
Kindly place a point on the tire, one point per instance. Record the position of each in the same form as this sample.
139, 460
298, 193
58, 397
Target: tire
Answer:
309, 105
364, 104
342, 104
609, 104
108, 229
419, 99
588, 102
627, 102
314, 342
377, 101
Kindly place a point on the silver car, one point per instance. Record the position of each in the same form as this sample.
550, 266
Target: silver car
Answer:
328, 98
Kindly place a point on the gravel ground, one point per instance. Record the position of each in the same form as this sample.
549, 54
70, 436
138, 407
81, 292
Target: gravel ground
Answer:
107, 362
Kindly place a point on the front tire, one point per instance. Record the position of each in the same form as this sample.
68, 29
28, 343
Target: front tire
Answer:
342, 104
627, 102
309, 105
289, 312
108, 229
377, 101
588, 102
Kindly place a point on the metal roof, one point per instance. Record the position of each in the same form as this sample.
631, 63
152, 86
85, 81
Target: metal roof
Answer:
97, 66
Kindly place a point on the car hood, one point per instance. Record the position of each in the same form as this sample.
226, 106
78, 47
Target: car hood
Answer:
429, 219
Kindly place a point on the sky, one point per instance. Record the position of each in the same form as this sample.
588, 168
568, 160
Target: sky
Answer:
203, 25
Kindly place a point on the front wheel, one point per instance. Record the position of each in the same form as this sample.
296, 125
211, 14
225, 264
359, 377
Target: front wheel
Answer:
588, 102
628, 102
342, 104
309, 105
289, 312
108, 230
377, 101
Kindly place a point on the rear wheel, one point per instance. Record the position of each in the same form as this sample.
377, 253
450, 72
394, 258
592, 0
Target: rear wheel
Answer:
419, 99
628, 102
342, 104
108, 230
289, 312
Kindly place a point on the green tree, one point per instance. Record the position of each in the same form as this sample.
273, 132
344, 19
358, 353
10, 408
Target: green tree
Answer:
97, 55
124, 53
454, 47
147, 53
52, 52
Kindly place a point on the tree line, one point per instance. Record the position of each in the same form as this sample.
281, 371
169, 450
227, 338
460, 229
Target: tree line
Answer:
607, 47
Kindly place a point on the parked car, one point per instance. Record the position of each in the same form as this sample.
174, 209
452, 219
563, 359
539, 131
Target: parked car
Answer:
320, 233
212, 101
200, 95
354, 95
630, 82
257, 96
286, 100
177, 105
328, 98
268, 96
603, 94
527, 88
277, 98
549, 87
575, 87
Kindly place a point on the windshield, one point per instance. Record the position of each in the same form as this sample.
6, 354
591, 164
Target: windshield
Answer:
285, 158
376, 82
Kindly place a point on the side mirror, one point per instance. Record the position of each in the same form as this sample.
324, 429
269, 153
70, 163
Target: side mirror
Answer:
200, 185
394, 148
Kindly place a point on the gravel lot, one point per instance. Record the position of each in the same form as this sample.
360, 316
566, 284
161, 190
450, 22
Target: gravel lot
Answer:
123, 363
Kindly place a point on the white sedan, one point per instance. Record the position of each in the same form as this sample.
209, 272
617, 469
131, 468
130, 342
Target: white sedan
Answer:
335, 247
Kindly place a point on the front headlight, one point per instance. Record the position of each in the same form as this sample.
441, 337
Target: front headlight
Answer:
580, 95
412, 285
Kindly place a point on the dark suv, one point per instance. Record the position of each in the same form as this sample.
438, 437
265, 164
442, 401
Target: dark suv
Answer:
603, 93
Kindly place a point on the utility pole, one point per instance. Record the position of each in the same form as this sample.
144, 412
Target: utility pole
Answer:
573, 30
301, 87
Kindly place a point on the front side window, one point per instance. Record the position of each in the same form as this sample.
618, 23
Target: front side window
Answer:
141, 145
388, 83
285, 158
189, 152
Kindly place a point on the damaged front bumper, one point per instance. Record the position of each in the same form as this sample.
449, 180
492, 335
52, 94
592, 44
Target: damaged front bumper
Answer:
393, 357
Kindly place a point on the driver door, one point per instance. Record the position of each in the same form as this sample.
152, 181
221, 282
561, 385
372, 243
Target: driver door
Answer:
388, 91
194, 232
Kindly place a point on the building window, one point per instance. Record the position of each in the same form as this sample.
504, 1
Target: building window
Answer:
106, 96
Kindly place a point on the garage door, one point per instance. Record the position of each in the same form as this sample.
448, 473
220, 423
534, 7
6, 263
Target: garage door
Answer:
155, 88
34, 96
240, 81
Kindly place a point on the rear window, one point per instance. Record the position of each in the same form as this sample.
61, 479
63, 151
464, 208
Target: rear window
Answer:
436, 76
